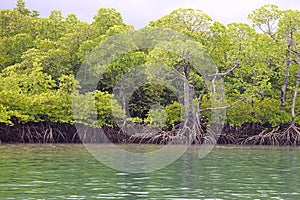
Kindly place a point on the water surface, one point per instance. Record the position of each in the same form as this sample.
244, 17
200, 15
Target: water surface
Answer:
228, 172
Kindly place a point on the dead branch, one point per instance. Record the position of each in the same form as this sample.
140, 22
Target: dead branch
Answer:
237, 64
223, 107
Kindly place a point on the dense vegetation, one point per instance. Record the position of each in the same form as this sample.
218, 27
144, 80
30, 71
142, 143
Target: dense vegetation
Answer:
40, 58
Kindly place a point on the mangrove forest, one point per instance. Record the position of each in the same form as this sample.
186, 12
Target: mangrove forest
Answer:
43, 62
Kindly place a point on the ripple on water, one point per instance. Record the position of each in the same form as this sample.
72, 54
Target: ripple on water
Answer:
70, 172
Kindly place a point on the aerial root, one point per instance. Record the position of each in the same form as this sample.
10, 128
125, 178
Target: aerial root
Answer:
276, 137
194, 134
227, 139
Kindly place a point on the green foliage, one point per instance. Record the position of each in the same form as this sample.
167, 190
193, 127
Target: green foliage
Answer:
161, 117
157, 117
265, 18
12, 22
24, 91
188, 21
174, 113
13, 47
20, 6
107, 18
119, 68
96, 109
5, 115
262, 111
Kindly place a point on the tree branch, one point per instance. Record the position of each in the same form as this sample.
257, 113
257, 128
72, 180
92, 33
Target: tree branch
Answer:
224, 107
237, 64
295, 52
201, 98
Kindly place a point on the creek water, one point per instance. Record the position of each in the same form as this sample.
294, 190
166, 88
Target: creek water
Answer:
61, 171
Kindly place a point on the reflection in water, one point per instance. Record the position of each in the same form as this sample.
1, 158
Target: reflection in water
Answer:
228, 172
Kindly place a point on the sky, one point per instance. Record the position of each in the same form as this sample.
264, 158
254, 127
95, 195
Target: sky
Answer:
140, 12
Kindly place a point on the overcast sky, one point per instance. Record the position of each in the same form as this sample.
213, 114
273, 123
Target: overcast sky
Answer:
140, 12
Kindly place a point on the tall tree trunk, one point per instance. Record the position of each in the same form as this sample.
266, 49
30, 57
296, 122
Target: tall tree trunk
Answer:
187, 92
286, 77
295, 98
186, 99
122, 91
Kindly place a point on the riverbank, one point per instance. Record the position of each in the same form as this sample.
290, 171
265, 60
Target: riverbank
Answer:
247, 134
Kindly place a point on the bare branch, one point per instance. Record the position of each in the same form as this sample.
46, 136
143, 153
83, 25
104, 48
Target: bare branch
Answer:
269, 32
222, 108
296, 62
237, 64
295, 52
201, 98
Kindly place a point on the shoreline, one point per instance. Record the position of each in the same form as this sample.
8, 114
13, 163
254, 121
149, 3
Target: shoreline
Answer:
64, 133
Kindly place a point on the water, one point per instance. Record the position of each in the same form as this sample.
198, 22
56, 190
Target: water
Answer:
228, 172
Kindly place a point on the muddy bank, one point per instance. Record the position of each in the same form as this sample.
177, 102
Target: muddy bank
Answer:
247, 134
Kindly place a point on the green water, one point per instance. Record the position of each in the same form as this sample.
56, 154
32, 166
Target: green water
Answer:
70, 172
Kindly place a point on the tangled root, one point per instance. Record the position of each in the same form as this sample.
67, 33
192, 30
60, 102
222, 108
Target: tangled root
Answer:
195, 134
291, 136
227, 139
276, 137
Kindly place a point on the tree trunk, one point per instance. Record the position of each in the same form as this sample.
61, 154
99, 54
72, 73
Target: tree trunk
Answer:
186, 99
124, 105
286, 77
295, 98
186, 89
